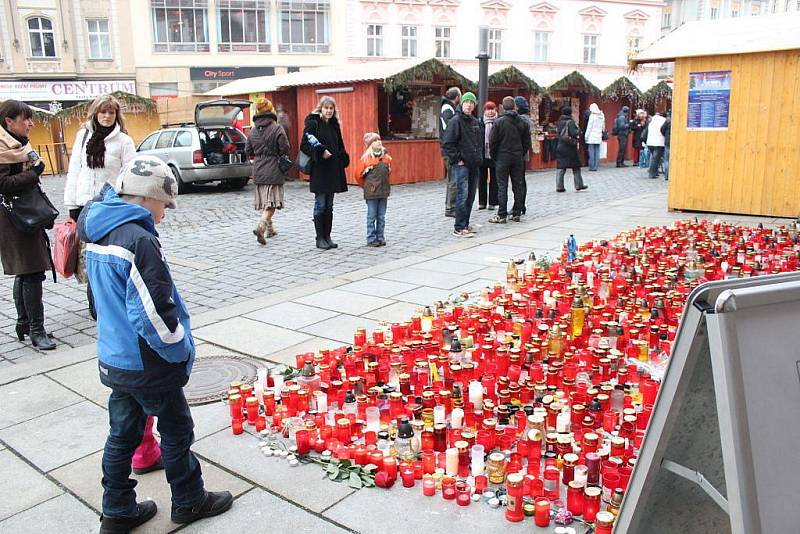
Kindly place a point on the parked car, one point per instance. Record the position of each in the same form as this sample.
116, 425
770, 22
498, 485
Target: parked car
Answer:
210, 150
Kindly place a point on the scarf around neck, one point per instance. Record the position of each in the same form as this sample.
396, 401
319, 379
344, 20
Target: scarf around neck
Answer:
96, 146
13, 149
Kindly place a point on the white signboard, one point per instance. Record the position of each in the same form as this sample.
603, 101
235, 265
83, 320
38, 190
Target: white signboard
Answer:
49, 90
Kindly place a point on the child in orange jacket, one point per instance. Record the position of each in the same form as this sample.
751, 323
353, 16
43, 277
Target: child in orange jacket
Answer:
372, 172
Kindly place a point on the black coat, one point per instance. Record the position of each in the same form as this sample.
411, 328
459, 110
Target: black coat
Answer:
510, 138
267, 142
327, 175
463, 140
666, 131
621, 125
636, 128
567, 156
446, 112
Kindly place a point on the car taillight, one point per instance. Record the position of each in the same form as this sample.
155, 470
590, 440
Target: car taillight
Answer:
197, 157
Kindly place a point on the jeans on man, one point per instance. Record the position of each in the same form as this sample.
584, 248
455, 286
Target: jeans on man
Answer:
515, 170
622, 141
666, 163
127, 415
594, 155
656, 154
376, 219
452, 190
323, 202
466, 179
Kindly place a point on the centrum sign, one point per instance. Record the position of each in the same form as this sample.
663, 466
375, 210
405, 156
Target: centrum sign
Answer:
45, 91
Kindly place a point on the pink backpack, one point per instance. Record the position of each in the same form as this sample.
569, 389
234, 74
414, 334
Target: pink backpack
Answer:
65, 251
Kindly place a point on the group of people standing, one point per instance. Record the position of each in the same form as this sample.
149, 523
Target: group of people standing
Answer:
649, 136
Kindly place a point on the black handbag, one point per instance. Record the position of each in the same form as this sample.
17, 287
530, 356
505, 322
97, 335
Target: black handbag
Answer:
285, 163
30, 211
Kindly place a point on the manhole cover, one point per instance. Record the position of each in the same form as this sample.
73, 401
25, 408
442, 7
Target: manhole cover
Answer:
211, 376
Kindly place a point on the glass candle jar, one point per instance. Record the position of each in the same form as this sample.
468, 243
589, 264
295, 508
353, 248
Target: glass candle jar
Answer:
407, 475
591, 502
428, 462
428, 486
463, 495
593, 465
390, 466
251, 403
481, 483
463, 458
448, 488
604, 523
451, 461
575, 498
235, 405
236, 426
496, 468
541, 513
514, 501
552, 487
580, 474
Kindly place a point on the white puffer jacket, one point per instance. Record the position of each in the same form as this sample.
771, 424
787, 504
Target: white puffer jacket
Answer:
595, 126
84, 183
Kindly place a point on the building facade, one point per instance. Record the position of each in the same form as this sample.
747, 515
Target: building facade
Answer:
56, 53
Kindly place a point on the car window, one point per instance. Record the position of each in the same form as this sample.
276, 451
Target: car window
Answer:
147, 144
184, 138
166, 139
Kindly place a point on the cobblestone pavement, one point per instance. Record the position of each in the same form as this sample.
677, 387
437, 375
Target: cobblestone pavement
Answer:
216, 262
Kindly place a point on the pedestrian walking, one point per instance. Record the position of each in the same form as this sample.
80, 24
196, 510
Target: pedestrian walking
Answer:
266, 145
567, 156
524, 111
463, 147
621, 129
655, 143
666, 131
373, 171
101, 149
450, 102
323, 142
25, 256
510, 140
145, 348
636, 128
595, 133
487, 186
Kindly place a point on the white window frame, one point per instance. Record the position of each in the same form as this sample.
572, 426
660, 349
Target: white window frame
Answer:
495, 43
590, 41
245, 10
442, 35
408, 41
541, 46
634, 42
310, 14
374, 40
39, 34
714, 13
99, 40
666, 19
180, 16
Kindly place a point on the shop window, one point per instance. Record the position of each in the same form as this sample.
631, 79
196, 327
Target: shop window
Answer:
374, 40
541, 46
714, 13
200, 87
180, 25
42, 37
666, 18
99, 39
163, 90
495, 43
442, 42
634, 43
409, 41
590, 49
243, 26
304, 26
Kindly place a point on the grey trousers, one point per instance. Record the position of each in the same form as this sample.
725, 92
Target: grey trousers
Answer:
452, 191
576, 175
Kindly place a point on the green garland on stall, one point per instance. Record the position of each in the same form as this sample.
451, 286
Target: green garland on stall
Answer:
622, 87
426, 71
574, 79
512, 74
660, 91
79, 112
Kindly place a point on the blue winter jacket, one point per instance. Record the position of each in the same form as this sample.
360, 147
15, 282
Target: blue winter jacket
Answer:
144, 340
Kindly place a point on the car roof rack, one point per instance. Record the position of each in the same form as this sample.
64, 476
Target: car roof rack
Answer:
178, 125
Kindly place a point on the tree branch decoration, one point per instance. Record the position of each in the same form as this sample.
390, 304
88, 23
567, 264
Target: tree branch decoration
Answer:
574, 80
660, 91
426, 71
511, 75
623, 88
130, 103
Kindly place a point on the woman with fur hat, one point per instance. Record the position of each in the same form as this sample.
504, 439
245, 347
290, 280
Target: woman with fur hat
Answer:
266, 144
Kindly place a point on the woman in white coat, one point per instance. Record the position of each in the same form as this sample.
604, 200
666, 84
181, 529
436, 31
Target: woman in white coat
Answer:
594, 134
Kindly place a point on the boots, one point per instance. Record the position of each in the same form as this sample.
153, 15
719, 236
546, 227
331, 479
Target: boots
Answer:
23, 328
90, 301
259, 232
328, 226
32, 295
319, 226
271, 229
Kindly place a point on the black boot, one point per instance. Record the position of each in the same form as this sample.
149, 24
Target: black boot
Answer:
23, 328
213, 503
145, 511
319, 226
32, 295
328, 227
90, 301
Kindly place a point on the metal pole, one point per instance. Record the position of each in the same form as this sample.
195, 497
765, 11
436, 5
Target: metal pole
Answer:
483, 68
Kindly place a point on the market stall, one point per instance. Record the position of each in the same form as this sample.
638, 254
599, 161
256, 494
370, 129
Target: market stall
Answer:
574, 90
621, 92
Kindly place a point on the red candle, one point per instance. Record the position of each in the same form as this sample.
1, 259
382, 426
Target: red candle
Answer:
481, 483
236, 426
541, 513
514, 494
591, 502
376, 459
448, 488
428, 486
390, 466
575, 498
463, 496
407, 474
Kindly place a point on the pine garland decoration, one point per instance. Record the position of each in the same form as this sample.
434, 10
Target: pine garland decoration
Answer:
574, 79
426, 71
511, 75
623, 88
660, 91
130, 104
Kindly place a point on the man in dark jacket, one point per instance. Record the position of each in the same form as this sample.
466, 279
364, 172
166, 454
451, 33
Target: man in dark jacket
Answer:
666, 130
463, 148
509, 141
621, 128
524, 110
450, 102
145, 349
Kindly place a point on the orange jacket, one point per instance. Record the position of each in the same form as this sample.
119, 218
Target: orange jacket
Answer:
367, 161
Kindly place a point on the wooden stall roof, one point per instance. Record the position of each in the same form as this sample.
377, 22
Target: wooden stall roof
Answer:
659, 91
623, 87
129, 102
743, 35
574, 79
511, 74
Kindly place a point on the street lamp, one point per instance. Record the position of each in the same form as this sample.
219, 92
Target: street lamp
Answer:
483, 66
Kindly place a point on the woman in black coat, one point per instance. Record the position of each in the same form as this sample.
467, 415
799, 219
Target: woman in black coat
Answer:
322, 141
24, 255
567, 156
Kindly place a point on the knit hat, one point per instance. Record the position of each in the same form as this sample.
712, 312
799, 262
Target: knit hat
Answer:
263, 105
149, 177
371, 137
469, 96
521, 102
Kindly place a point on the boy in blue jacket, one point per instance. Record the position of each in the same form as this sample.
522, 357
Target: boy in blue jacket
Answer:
145, 348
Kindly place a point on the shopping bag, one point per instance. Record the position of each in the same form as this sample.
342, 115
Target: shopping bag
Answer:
644, 158
603, 151
65, 251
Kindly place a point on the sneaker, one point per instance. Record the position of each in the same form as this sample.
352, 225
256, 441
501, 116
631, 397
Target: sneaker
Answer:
155, 466
213, 503
449, 214
561, 190
373, 244
471, 230
463, 233
381, 243
498, 220
515, 218
145, 511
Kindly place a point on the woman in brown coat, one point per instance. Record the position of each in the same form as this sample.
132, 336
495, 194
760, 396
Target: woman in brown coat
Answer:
266, 144
26, 256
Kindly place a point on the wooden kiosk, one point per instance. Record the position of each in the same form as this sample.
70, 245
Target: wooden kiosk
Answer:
735, 123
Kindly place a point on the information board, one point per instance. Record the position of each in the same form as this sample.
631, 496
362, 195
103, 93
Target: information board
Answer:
709, 100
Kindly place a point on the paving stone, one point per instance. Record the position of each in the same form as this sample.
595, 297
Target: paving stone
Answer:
291, 315
302, 485
424, 296
398, 312
61, 436
444, 266
249, 337
83, 478
344, 301
377, 287
340, 328
428, 278
61, 514
14, 473
475, 286
209, 419
84, 379
31, 398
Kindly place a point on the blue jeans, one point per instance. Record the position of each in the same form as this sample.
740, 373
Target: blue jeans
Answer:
666, 162
376, 219
594, 155
656, 154
466, 179
322, 202
127, 415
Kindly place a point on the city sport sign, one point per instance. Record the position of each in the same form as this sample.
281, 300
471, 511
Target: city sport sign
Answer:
49, 90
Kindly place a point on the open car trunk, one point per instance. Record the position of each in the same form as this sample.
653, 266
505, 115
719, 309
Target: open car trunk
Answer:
220, 141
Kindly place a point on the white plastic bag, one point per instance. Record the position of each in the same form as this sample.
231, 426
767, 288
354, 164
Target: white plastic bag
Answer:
603, 150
